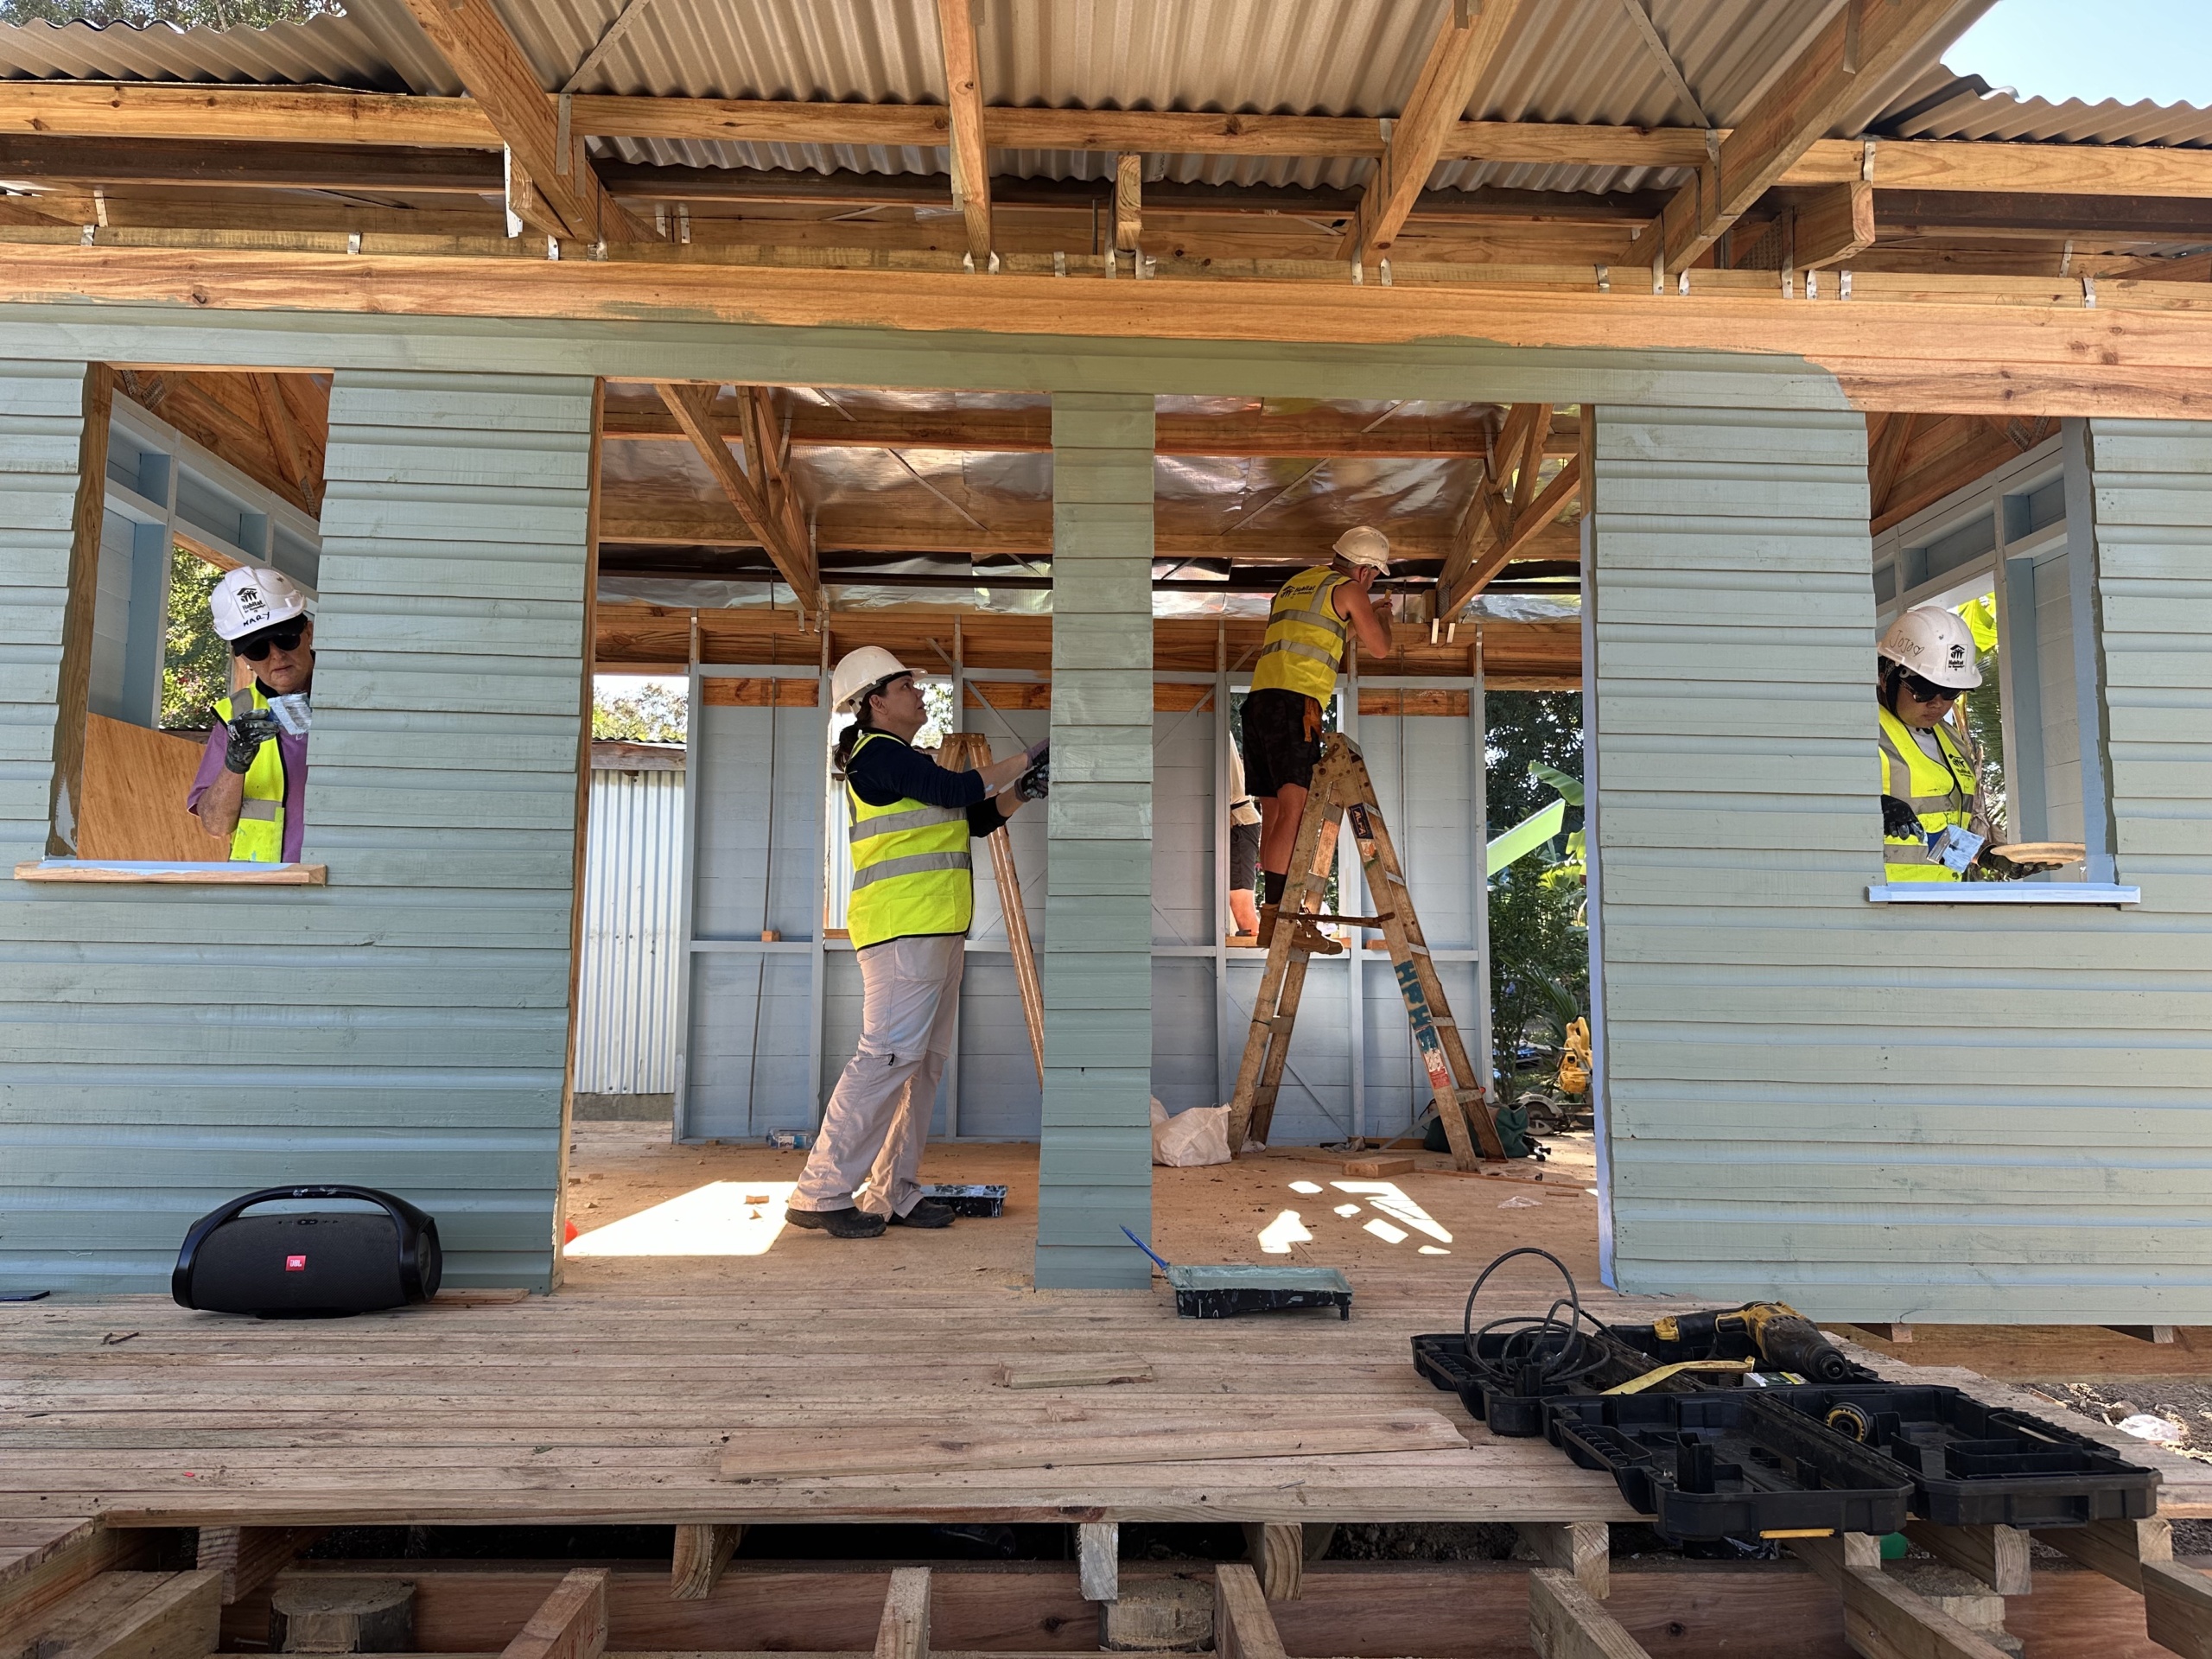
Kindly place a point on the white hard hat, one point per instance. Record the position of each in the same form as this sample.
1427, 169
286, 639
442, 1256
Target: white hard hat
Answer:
252, 598
1935, 643
1364, 544
858, 671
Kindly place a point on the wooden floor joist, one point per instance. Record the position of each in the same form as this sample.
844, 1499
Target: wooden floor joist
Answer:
1581, 1548
904, 1631
569, 1623
702, 1552
1242, 1626
132, 1616
1882, 1618
1996, 1556
248, 1557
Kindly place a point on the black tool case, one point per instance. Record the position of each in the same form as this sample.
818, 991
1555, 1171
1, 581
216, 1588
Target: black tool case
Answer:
1442, 1359
1732, 1463
1976, 1465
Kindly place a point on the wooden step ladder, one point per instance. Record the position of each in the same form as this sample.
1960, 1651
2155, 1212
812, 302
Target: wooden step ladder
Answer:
1342, 787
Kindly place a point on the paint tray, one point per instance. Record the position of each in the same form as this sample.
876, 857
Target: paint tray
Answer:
1733, 1463
1230, 1289
969, 1197
1972, 1464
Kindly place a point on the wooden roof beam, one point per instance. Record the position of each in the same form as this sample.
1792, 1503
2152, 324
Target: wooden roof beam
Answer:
1463, 47
551, 182
1517, 543
972, 161
1864, 42
767, 513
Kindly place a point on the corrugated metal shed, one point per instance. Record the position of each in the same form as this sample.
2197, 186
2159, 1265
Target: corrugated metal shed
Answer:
627, 981
1567, 60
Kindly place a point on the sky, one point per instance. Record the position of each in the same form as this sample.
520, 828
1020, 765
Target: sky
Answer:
2124, 50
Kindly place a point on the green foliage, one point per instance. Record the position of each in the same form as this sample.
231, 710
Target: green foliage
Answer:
196, 660
1983, 708
176, 13
655, 713
1540, 953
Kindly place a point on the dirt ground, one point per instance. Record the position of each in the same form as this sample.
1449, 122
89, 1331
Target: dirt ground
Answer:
620, 1171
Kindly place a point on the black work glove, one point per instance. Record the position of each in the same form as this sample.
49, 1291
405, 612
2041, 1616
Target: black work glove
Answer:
1900, 820
1038, 752
249, 731
1035, 784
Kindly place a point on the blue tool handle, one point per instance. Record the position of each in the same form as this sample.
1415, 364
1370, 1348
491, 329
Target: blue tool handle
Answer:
1146, 1248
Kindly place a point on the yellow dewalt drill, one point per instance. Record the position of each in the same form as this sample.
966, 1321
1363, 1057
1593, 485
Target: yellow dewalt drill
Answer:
1775, 1334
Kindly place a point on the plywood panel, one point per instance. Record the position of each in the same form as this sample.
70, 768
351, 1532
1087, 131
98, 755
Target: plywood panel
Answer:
136, 781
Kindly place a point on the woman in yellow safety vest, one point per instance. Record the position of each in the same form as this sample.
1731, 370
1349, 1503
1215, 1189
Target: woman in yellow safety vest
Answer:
252, 785
1292, 684
908, 821
1930, 786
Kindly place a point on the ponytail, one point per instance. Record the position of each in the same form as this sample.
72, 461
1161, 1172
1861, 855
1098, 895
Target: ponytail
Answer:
841, 752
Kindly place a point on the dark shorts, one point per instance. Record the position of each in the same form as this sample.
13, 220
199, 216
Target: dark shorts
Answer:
1244, 856
1282, 741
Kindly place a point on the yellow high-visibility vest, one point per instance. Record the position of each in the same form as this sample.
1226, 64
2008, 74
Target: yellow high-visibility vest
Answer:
909, 867
259, 837
1941, 793
1306, 637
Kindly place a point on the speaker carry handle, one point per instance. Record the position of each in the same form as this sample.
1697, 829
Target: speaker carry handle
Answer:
410, 1222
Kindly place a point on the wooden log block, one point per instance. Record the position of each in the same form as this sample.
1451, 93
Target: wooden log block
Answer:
133, 1615
1098, 1559
312, 1613
570, 1624
904, 1632
1162, 1615
248, 1557
1996, 1556
2118, 1549
1377, 1168
1242, 1626
2177, 1608
1277, 1553
1888, 1331
1582, 1548
1565, 1622
702, 1552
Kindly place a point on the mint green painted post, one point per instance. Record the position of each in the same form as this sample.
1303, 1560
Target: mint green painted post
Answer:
1095, 1166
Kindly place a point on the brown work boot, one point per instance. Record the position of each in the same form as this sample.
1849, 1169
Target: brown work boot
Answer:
1266, 936
1312, 940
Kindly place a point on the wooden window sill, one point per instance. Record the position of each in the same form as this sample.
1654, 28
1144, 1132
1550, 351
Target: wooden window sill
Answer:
2002, 892
224, 875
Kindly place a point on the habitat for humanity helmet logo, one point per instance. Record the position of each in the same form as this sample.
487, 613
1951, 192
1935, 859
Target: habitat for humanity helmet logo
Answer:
249, 599
1958, 654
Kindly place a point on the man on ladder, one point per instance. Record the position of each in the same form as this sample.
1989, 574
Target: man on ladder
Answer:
1292, 684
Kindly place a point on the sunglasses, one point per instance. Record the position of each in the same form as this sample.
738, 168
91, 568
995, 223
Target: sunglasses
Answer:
1927, 691
256, 647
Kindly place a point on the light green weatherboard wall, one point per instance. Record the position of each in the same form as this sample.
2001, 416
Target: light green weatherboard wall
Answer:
1095, 1166
1883, 1113
404, 1027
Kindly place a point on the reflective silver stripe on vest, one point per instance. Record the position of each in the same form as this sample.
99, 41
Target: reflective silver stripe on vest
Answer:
892, 822
915, 864
1320, 612
1296, 648
259, 809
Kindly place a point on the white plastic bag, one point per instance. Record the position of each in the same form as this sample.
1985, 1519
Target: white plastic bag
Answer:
1190, 1139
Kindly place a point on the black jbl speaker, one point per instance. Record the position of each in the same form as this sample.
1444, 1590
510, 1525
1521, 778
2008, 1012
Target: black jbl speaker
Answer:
317, 1264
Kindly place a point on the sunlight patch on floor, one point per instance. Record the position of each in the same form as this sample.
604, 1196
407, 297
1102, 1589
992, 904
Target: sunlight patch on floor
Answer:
1285, 1230
721, 1219
1389, 1198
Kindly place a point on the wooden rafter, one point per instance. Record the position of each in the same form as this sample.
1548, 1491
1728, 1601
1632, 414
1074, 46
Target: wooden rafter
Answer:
1518, 540
963, 97
1311, 433
1511, 508
768, 511
1884, 457
1861, 44
1832, 224
558, 192
284, 436
1464, 46
1128, 202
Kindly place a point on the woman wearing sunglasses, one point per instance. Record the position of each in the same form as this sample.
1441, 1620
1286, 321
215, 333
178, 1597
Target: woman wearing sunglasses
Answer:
1928, 784
253, 781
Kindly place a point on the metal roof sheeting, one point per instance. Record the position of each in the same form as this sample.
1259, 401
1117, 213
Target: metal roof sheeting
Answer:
1566, 61
1978, 112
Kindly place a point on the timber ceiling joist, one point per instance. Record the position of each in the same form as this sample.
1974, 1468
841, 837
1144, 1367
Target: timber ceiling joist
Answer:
761, 490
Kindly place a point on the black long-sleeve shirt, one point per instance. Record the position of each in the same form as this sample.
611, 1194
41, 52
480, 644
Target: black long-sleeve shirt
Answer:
885, 771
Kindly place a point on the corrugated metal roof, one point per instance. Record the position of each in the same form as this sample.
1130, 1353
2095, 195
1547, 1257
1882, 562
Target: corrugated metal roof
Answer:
1566, 61
1975, 110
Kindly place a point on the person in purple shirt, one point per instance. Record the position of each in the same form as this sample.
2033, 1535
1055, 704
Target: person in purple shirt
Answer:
252, 783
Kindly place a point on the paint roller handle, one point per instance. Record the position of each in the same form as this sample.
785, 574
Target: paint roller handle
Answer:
1159, 1259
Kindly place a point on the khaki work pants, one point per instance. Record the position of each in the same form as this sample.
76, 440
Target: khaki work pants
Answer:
878, 1119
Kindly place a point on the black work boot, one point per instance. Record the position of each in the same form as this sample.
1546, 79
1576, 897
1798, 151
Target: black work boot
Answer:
851, 1222
926, 1213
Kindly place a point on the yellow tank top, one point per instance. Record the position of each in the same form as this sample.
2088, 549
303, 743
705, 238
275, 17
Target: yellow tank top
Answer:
1306, 637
